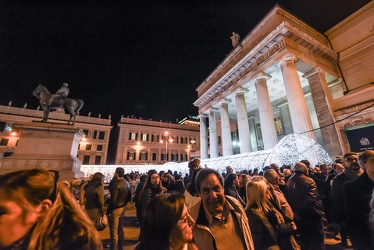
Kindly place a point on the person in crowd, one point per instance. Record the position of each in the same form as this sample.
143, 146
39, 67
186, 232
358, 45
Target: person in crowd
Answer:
303, 196
151, 189
357, 196
120, 195
230, 185
287, 174
179, 184
218, 216
273, 179
371, 217
229, 170
186, 179
352, 170
38, 212
139, 187
191, 193
94, 197
168, 182
167, 225
268, 226
82, 198
244, 178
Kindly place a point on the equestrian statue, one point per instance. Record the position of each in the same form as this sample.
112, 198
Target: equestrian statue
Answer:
59, 100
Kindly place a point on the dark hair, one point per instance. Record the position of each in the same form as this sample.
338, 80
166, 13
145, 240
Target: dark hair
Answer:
161, 216
201, 175
349, 154
229, 179
97, 179
306, 162
148, 184
120, 171
192, 185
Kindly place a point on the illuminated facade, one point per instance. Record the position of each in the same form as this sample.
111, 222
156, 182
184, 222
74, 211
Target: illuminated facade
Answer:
154, 142
285, 77
93, 148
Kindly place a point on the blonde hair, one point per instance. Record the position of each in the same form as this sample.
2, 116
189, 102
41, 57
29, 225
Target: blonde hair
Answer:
65, 225
256, 193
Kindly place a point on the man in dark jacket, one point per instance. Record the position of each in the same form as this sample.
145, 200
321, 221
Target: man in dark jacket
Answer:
357, 196
119, 196
304, 199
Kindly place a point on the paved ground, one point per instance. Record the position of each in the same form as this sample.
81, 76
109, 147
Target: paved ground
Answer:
132, 230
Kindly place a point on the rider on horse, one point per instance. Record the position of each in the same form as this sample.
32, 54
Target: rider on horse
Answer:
63, 92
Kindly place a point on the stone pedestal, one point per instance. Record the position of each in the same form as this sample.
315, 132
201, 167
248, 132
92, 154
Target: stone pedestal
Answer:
50, 146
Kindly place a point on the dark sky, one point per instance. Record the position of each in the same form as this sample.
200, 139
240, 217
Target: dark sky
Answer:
142, 58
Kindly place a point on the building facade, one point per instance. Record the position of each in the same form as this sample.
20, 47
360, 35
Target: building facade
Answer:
154, 142
285, 77
93, 148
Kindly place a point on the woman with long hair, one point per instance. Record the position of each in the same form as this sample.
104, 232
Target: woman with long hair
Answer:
94, 196
151, 189
38, 213
268, 226
167, 225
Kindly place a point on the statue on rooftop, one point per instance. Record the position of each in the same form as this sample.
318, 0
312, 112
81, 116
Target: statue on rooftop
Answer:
235, 39
59, 100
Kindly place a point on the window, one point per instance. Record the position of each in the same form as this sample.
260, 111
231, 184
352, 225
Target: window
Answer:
86, 132
184, 140
95, 134
131, 156
259, 132
86, 159
154, 156
99, 148
175, 139
174, 157
133, 136
278, 125
97, 160
4, 142
143, 156
2, 126
88, 146
144, 137
101, 135
155, 138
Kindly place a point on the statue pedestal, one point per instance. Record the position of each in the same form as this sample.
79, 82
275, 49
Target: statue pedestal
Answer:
51, 146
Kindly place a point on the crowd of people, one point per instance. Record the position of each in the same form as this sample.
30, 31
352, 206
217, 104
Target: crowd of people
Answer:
285, 207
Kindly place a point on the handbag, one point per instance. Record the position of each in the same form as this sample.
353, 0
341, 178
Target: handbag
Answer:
101, 221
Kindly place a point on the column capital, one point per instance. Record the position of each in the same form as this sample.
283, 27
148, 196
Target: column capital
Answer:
286, 59
262, 75
225, 101
213, 109
241, 91
203, 115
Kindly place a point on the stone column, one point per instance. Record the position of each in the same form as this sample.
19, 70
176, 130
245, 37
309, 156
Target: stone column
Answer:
323, 104
226, 131
300, 118
243, 125
253, 133
213, 140
203, 138
269, 134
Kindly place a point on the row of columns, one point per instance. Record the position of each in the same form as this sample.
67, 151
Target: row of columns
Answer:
300, 117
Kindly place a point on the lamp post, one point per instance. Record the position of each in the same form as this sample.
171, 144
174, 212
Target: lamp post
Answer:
168, 139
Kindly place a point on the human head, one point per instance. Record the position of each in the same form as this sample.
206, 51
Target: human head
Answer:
366, 159
338, 167
306, 162
231, 180
275, 167
351, 161
286, 172
244, 178
194, 165
65, 84
97, 179
324, 169
229, 170
209, 184
272, 177
300, 166
166, 220
257, 195
33, 200
119, 172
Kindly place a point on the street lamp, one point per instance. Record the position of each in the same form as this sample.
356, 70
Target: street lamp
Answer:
168, 139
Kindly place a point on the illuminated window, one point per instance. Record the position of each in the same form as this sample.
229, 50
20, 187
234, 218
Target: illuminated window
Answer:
88, 146
278, 125
131, 156
143, 156
144, 137
133, 136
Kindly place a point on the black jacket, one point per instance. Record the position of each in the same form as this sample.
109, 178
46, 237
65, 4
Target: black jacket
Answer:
303, 197
119, 194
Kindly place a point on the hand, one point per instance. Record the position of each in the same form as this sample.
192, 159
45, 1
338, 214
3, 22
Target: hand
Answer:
293, 225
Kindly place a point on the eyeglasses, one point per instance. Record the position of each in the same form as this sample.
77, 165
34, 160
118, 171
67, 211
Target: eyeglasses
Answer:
351, 159
186, 219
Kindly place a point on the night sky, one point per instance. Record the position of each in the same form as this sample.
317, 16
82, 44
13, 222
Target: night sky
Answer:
141, 58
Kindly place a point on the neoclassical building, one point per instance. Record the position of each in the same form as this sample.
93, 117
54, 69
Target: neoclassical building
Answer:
145, 141
285, 77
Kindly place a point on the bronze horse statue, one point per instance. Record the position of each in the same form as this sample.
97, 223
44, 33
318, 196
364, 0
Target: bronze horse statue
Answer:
72, 105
